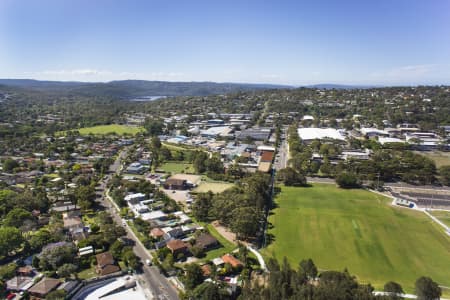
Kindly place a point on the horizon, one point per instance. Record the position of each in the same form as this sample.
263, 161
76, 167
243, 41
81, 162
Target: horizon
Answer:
401, 43
276, 85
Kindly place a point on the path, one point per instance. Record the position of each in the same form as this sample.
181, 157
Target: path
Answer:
261, 261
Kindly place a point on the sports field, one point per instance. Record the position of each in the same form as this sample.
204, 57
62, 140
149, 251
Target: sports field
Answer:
443, 216
113, 128
359, 230
177, 167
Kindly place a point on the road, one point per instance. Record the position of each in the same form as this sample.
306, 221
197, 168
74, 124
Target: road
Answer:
153, 280
281, 159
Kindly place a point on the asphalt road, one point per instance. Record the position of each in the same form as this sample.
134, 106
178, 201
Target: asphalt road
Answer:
153, 280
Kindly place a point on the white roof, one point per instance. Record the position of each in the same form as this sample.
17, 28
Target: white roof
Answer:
366, 130
384, 140
307, 117
266, 148
220, 130
134, 196
153, 215
320, 133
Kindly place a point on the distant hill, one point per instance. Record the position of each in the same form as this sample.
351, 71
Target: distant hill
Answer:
330, 86
127, 89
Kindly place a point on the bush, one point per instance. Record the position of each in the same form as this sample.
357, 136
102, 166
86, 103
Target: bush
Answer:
347, 180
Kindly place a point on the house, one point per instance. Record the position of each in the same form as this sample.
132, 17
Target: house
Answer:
176, 247
176, 232
266, 156
19, 283
233, 261
43, 287
206, 269
106, 264
72, 223
25, 271
175, 184
156, 233
206, 241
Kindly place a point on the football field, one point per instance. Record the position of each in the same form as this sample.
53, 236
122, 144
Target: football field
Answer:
360, 231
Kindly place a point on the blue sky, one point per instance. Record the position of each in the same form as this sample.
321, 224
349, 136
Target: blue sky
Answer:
390, 42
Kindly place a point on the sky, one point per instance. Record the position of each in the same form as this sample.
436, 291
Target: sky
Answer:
382, 42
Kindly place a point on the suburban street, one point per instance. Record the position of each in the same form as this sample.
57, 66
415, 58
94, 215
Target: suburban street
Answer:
157, 283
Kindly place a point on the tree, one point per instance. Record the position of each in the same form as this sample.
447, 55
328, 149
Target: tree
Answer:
308, 268
291, 177
200, 161
9, 165
347, 180
130, 259
155, 143
10, 239
444, 171
66, 270
17, 217
202, 206
245, 221
394, 289
427, 289
193, 276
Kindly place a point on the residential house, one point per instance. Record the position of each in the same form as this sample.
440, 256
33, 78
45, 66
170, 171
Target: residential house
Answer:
233, 261
43, 287
206, 241
106, 264
176, 247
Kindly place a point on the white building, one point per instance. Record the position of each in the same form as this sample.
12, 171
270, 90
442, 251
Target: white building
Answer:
310, 134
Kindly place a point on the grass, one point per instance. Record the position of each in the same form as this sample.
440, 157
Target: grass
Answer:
177, 167
358, 230
87, 273
443, 216
112, 128
215, 187
440, 158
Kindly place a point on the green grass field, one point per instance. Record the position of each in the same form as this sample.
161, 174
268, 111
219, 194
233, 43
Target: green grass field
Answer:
177, 167
215, 187
443, 216
113, 128
357, 229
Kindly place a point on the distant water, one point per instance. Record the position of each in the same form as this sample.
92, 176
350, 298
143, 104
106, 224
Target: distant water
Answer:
147, 98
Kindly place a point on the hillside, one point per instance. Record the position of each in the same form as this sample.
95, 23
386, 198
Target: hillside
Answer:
127, 89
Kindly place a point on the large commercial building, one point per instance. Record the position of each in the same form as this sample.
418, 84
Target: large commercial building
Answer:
310, 134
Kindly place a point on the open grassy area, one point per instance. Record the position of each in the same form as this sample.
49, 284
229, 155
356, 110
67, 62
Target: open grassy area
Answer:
215, 187
177, 167
359, 230
113, 128
440, 158
443, 216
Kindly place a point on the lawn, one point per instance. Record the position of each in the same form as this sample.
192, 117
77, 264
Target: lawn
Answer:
440, 158
443, 216
215, 187
177, 167
113, 128
358, 230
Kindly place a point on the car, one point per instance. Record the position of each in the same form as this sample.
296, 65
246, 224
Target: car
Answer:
148, 262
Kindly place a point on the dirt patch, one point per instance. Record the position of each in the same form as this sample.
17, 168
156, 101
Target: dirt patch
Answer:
225, 232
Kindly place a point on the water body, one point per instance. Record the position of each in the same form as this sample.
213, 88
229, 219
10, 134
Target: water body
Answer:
147, 98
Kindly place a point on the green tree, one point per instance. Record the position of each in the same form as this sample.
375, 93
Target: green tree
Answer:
347, 180
17, 217
66, 270
9, 165
444, 172
394, 289
130, 259
10, 240
427, 289
193, 276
